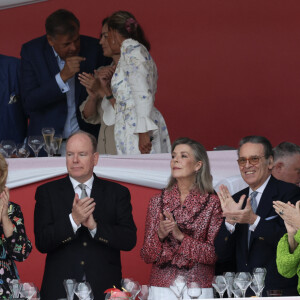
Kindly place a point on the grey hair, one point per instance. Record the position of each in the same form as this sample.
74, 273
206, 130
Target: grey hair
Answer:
90, 136
203, 176
285, 149
256, 139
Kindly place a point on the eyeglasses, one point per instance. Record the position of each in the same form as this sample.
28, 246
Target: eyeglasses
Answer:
253, 160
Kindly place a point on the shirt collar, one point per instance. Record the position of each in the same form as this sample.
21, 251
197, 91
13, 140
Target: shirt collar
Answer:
88, 183
261, 188
59, 59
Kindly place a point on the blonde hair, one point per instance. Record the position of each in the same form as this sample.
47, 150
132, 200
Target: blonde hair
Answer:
203, 176
3, 172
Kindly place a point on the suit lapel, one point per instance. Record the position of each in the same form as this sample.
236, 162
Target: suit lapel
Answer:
51, 59
266, 202
267, 198
98, 195
66, 195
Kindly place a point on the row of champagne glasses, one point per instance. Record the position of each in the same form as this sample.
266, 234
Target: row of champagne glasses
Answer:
23, 290
179, 285
9, 149
238, 283
81, 289
49, 141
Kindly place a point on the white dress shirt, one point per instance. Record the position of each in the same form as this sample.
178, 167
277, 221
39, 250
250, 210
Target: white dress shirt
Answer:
71, 124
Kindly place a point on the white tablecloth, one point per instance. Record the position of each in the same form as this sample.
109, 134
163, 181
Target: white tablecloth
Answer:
151, 170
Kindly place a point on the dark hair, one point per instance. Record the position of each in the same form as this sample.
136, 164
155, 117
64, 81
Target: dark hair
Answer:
285, 149
256, 139
90, 136
61, 22
203, 176
3, 172
104, 21
125, 23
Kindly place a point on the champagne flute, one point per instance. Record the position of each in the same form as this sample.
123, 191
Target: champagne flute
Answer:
220, 284
144, 292
23, 151
36, 143
9, 147
178, 285
3, 152
229, 276
131, 286
15, 287
69, 285
260, 274
243, 280
58, 140
48, 134
194, 290
82, 290
256, 288
28, 289
51, 150
236, 291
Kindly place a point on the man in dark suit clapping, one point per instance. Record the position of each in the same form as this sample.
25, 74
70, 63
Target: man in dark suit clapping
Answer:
82, 223
251, 230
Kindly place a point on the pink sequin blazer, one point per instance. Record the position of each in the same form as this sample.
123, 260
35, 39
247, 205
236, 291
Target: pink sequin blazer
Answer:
199, 219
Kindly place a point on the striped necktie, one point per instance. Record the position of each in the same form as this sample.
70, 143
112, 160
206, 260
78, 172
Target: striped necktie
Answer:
83, 190
254, 208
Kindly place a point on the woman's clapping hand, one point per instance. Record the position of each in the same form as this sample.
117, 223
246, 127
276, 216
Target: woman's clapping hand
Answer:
92, 84
4, 199
168, 225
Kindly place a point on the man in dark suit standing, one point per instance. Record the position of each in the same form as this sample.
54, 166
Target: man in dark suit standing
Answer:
50, 89
251, 230
82, 223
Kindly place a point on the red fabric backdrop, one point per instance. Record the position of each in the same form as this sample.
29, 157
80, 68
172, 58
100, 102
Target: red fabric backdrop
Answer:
226, 68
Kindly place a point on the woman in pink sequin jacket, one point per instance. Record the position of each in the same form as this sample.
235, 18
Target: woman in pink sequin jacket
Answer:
182, 223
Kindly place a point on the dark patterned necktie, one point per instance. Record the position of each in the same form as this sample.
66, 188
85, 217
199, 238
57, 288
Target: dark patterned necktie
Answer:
83, 190
254, 208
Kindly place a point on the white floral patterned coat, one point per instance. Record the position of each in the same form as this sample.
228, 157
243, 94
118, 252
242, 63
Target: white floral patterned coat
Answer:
134, 87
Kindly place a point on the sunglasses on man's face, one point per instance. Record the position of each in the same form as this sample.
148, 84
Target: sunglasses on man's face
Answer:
253, 160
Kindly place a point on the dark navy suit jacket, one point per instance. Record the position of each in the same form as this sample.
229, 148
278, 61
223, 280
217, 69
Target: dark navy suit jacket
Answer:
72, 255
43, 100
232, 249
13, 122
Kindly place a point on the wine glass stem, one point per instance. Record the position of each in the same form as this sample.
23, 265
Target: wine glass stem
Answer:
36, 153
221, 295
244, 293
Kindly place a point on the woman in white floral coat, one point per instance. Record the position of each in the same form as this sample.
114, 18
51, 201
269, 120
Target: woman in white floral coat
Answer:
130, 90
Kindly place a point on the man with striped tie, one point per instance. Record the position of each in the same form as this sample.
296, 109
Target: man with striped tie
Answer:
82, 223
251, 229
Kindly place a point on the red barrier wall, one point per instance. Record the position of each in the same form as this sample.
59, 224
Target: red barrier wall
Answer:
32, 269
227, 68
